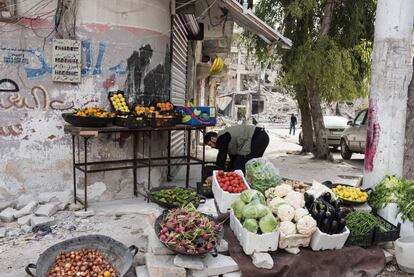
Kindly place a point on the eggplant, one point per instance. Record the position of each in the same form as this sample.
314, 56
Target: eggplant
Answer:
334, 227
329, 207
327, 197
341, 224
309, 199
319, 217
326, 225
314, 210
329, 215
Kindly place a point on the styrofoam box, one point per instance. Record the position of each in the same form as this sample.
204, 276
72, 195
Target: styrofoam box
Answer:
389, 213
253, 242
223, 198
407, 227
293, 241
323, 241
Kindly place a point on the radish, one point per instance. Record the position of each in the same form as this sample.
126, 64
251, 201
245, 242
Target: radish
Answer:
209, 245
163, 238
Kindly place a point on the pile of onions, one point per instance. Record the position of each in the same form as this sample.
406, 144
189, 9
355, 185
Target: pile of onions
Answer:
85, 262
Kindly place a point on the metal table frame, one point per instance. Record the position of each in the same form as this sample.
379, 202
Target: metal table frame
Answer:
133, 163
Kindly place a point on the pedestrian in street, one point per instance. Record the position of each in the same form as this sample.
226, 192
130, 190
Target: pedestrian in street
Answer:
242, 143
293, 122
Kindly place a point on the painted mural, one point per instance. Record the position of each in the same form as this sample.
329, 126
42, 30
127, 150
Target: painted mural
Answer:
31, 128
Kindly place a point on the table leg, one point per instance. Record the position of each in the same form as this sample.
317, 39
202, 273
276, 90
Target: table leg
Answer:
169, 156
204, 153
135, 143
187, 175
73, 165
86, 172
149, 162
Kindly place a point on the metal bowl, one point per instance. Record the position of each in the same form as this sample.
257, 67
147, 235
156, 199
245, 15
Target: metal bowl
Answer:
201, 199
87, 121
350, 202
213, 251
116, 253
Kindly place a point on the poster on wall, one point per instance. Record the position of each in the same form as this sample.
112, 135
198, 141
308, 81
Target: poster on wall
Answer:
66, 60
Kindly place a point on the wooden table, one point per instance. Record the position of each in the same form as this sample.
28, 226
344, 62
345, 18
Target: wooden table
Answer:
133, 162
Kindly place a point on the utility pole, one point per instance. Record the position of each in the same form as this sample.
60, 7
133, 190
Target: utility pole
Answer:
391, 75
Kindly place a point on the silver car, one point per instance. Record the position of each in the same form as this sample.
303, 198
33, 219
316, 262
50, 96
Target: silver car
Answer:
354, 137
335, 126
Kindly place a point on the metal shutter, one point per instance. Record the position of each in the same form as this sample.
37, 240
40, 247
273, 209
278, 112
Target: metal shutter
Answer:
178, 81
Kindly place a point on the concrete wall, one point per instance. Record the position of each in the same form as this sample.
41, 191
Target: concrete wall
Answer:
35, 154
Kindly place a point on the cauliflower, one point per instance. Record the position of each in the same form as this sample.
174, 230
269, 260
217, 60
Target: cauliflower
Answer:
299, 213
306, 225
287, 228
295, 199
285, 212
279, 191
275, 203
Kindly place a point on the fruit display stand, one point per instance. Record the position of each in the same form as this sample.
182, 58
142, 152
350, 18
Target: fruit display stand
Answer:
81, 137
251, 242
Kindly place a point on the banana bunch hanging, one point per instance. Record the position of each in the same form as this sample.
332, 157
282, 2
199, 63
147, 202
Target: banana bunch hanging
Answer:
217, 66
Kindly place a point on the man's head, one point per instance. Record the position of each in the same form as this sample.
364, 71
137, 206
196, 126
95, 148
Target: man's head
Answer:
210, 139
293, 114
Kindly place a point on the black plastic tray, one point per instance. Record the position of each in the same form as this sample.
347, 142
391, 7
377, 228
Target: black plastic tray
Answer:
213, 251
130, 122
201, 199
87, 121
110, 94
349, 202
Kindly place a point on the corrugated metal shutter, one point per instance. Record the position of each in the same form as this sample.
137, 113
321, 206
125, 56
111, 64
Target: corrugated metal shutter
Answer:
178, 81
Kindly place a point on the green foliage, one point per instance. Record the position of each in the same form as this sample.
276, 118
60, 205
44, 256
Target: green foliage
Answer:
339, 62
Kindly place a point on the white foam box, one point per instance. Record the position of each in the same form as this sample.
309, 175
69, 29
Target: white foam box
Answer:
251, 242
407, 227
389, 213
223, 198
293, 241
323, 241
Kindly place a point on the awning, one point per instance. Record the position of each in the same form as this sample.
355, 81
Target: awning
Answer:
254, 24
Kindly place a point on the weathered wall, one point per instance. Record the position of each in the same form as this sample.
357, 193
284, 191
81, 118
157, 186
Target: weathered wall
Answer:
35, 154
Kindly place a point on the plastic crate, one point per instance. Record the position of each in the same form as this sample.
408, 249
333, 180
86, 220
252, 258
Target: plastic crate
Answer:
392, 233
223, 198
361, 240
251, 242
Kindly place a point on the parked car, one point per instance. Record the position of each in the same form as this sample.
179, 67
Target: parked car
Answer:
354, 137
335, 125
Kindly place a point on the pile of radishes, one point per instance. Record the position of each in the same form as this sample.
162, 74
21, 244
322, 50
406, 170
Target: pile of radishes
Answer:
231, 182
186, 230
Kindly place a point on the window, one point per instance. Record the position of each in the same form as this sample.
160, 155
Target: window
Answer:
360, 119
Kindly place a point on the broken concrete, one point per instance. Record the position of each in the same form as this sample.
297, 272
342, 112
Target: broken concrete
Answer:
222, 246
188, 262
388, 256
4, 204
215, 266
85, 214
262, 260
142, 271
8, 215
154, 245
26, 228
24, 199
3, 232
28, 209
37, 220
233, 274
25, 220
47, 209
163, 266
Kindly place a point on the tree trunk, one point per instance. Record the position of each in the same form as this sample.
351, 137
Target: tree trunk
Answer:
409, 134
307, 130
391, 75
321, 150
327, 18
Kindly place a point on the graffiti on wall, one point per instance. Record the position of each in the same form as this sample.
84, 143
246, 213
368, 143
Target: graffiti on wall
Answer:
373, 134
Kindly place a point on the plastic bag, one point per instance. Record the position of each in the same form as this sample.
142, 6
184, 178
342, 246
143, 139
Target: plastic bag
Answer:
262, 174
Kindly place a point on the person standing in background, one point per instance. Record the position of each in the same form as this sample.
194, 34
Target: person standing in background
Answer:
293, 122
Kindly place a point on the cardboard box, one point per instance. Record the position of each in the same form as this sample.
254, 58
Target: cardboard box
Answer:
202, 116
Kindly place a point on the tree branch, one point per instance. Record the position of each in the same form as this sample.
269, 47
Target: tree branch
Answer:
327, 18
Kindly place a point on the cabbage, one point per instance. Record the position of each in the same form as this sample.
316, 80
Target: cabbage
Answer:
237, 207
251, 225
254, 211
268, 223
248, 196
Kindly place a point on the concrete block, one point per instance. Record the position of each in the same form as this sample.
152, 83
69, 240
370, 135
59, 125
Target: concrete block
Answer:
3, 232
163, 266
233, 274
222, 246
56, 196
23, 200
189, 262
262, 260
28, 209
8, 215
37, 220
26, 228
4, 204
215, 266
84, 214
62, 206
25, 220
154, 245
142, 271
388, 256
46, 210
